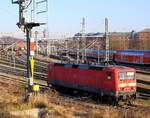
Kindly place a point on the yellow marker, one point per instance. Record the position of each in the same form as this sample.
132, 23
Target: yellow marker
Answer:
32, 71
35, 87
32, 62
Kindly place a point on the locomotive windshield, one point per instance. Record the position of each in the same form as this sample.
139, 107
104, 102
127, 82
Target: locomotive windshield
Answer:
130, 75
122, 76
126, 75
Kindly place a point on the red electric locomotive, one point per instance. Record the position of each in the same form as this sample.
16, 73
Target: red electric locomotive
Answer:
115, 81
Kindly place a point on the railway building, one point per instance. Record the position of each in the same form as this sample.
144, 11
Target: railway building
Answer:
119, 40
140, 40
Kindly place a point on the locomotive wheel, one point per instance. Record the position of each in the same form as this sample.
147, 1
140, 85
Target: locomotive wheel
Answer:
130, 102
115, 101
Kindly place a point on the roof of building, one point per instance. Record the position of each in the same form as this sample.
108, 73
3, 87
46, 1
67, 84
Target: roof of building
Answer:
98, 34
121, 33
146, 30
7, 40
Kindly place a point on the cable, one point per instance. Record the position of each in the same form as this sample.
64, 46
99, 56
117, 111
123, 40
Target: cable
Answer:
28, 4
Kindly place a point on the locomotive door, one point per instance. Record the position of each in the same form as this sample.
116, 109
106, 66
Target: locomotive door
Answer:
108, 81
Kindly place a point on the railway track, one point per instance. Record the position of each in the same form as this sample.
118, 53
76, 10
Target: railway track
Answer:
23, 66
20, 80
21, 63
139, 68
87, 102
143, 72
19, 69
40, 75
143, 85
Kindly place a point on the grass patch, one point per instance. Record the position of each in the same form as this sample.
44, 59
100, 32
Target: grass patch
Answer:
4, 114
38, 101
104, 113
141, 102
59, 111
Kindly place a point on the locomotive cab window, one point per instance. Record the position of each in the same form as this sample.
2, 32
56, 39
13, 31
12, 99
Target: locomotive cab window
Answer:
126, 75
122, 75
130, 75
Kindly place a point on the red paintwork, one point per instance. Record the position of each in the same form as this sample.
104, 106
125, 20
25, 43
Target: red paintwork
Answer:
146, 58
90, 78
127, 81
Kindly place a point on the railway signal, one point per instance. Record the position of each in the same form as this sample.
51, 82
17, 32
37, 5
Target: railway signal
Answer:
27, 26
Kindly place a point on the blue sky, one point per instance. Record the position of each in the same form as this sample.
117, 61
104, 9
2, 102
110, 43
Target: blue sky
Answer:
65, 15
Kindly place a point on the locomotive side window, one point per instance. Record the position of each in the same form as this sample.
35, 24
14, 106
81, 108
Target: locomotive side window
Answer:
126, 75
109, 76
49, 68
122, 75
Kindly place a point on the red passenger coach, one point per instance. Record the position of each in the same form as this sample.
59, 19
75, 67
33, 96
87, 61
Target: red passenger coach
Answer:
146, 58
116, 81
137, 57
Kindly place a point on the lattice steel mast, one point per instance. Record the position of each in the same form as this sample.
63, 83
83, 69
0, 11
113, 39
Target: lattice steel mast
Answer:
106, 60
83, 40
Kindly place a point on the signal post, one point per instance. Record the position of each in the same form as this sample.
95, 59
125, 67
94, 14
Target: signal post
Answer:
30, 58
27, 27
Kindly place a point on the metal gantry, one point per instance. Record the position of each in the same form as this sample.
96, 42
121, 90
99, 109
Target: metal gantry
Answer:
37, 12
40, 13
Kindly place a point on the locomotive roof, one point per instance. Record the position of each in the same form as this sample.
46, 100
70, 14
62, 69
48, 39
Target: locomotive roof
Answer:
92, 67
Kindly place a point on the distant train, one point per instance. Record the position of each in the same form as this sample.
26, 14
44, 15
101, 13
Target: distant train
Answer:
92, 54
132, 57
116, 82
139, 57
